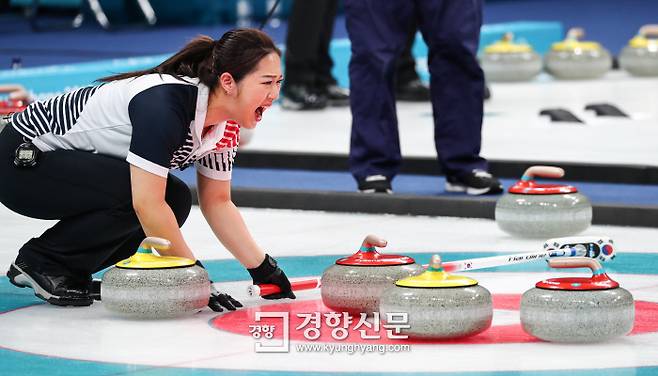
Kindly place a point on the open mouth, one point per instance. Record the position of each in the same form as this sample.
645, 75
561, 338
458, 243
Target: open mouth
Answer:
259, 113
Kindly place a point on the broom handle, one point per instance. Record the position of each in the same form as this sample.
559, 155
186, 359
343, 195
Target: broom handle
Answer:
296, 285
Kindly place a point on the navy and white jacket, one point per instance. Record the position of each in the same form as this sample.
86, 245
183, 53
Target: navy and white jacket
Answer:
154, 122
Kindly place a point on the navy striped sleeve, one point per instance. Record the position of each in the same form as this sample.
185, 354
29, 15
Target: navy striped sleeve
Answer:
160, 118
56, 115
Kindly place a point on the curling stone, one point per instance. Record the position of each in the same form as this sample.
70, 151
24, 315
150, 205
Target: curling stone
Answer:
355, 283
575, 59
148, 286
640, 56
439, 305
535, 210
8, 107
577, 309
505, 61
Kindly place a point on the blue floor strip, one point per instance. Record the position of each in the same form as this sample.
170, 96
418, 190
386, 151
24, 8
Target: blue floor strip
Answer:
422, 185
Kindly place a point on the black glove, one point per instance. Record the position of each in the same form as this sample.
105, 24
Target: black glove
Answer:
219, 299
269, 272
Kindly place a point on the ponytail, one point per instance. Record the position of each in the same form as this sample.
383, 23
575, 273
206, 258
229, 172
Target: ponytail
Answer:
237, 52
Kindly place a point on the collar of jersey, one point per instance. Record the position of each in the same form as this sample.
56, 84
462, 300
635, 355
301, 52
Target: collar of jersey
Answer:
204, 144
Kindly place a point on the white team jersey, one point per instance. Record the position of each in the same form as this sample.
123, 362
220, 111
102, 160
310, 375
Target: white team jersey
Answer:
153, 121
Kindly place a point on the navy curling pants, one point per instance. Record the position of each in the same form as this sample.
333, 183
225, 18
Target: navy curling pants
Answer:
90, 195
378, 31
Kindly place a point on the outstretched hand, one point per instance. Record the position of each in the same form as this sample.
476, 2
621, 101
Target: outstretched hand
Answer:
220, 299
269, 272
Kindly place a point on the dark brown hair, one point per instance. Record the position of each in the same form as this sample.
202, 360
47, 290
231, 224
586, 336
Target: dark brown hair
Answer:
237, 52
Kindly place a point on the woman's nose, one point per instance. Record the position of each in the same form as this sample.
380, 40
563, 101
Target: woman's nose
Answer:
274, 93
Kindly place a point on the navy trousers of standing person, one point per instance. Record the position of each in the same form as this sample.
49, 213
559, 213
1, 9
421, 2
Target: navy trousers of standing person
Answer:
378, 31
90, 195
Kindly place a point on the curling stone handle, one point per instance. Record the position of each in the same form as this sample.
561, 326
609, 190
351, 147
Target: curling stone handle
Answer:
649, 31
542, 171
575, 33
372, 241
435, 264
152, 242
576, 262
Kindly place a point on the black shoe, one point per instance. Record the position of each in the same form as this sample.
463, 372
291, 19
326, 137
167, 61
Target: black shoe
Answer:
412, 91
95, 289
337, 96
57, 290
476, 182
375, 184
302, 97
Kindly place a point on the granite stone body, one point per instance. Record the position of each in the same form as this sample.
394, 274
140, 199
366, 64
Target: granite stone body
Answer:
577, 316
639, 61
440, 313
508, 67
584, 64
357, 289
155, 293
543, 216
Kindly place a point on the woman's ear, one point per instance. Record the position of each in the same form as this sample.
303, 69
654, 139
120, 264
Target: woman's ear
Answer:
227, 83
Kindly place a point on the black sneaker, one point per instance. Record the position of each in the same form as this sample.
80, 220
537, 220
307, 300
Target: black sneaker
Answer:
95, 289
57, 290
476, 182
412, 91
302, 97
375, 184
337, 96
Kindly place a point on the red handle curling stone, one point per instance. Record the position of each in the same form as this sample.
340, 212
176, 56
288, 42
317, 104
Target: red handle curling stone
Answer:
12, 105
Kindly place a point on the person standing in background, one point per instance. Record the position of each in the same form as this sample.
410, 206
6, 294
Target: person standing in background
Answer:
379, 31
408, 85
309, 83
